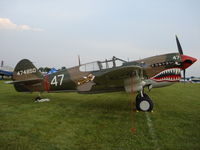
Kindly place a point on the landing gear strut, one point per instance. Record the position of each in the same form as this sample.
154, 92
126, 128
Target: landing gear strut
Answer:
143, 102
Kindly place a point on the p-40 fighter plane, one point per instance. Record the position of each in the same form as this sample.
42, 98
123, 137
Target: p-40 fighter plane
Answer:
107, 76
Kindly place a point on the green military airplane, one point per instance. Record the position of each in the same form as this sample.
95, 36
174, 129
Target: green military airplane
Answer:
107, 76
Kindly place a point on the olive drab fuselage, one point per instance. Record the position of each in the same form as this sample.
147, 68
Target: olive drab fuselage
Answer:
100, 79
82, 81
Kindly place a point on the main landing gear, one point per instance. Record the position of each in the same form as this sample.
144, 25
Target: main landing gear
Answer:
143, 102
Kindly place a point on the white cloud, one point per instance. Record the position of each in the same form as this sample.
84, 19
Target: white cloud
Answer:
7, 24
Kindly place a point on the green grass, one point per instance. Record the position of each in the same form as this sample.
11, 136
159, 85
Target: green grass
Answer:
73, 121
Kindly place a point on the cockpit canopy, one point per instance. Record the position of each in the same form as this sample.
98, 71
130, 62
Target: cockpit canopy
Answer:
101, 65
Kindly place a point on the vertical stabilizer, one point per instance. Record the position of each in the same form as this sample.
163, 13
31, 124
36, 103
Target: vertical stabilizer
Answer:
25, 70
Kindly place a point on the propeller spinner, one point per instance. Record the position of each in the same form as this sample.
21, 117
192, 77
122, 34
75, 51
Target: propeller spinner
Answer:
186, 60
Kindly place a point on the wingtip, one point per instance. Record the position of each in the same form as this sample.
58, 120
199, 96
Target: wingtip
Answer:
8, 82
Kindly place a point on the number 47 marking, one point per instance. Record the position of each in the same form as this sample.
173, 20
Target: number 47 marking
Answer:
54, 81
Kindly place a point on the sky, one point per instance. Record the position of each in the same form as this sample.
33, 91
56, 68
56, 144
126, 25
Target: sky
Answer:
53, 32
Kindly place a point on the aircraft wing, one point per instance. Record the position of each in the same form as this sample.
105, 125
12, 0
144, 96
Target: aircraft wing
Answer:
126, 77
6, 73
26, 82
118, 73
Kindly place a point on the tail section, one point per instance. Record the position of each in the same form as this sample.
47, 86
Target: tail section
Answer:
27, 78
25, 70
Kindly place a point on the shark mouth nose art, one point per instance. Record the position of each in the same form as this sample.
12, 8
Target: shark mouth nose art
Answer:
172, 74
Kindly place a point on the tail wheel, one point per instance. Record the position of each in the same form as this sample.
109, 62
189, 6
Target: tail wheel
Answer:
38, 98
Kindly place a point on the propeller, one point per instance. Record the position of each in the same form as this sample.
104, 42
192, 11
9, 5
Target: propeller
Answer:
179, 46
180, 50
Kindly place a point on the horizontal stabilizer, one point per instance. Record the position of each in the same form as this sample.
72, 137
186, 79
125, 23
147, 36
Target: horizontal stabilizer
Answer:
28, 81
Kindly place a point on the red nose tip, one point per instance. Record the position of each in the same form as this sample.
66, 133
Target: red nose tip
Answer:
187, 61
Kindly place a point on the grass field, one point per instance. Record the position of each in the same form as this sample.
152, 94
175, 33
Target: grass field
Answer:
73, 121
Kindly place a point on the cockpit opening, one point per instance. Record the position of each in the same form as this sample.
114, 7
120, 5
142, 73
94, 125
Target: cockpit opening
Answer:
101, 65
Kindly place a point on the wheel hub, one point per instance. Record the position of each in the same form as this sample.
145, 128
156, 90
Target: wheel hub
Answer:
144, 105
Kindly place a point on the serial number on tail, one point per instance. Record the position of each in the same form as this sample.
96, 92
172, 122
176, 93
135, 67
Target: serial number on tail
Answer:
27, 71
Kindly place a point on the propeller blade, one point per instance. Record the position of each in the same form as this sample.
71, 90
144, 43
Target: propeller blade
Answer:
179, 46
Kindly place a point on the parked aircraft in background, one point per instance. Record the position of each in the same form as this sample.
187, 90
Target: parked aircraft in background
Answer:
107, 76
5, 70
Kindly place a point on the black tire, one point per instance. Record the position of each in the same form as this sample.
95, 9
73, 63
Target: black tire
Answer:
144, 103
137, 103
